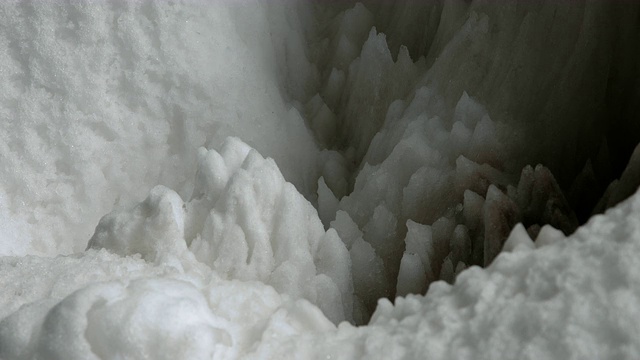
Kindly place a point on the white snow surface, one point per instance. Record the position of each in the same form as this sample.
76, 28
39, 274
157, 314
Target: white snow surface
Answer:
571, 297
102, 100
252, 179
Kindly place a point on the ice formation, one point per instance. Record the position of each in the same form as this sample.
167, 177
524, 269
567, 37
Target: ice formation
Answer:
551, 298
256, 179
245, 222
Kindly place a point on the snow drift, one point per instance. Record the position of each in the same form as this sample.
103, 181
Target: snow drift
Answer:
184, 179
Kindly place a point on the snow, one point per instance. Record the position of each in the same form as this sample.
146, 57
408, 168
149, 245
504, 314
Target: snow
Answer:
245, 222
574, 297
294, 179
108, 99
101, 305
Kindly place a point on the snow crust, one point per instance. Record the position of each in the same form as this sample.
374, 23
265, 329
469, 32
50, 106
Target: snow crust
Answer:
275, 173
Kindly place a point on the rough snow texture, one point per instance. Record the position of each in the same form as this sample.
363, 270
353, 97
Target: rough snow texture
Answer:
443, 136
416, 129
104, 100
211, 276
448, 177
245, 222
104, 306
572, 297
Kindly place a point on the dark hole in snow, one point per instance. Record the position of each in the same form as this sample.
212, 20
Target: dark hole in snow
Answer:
451, 135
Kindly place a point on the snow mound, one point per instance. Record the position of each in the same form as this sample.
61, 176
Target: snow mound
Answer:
245, 259
574, 297
245, 222
417, 129
100, 101
103, 306
557, 297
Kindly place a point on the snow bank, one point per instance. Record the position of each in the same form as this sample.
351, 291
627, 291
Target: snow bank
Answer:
103, 306
572, 297
245, 259
245, 222
101, 101
416, 130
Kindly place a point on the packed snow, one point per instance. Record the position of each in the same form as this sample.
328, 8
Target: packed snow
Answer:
333, 180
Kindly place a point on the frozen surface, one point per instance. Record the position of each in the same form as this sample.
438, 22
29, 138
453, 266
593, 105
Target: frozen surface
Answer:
254, 179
